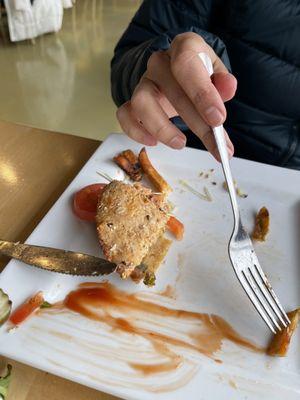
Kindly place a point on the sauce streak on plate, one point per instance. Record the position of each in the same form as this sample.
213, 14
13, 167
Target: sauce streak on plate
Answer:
100, 301
127, 333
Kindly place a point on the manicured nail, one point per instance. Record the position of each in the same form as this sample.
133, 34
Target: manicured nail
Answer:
178, 142
214, 116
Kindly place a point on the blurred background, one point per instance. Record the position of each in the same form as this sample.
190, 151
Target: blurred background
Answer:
61, 81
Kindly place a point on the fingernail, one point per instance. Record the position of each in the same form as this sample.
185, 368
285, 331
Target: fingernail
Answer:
215, 153
178, 142
214, 116
149, 140
230, 152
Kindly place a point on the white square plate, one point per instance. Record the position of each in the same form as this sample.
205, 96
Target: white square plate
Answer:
197, 268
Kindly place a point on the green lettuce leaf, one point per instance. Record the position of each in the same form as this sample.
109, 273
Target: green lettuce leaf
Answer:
5, 307
45, 304
4, 383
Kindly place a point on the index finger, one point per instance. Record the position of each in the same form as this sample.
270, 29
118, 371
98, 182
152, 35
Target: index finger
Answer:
191, 74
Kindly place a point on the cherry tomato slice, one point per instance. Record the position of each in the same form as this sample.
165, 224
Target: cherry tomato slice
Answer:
86, 200
26, 309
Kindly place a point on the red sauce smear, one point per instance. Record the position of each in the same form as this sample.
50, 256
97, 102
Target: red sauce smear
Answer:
98, 301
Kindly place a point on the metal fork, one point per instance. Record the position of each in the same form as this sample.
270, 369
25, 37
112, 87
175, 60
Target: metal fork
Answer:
241, 252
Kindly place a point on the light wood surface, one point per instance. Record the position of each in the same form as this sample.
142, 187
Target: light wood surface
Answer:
35, 168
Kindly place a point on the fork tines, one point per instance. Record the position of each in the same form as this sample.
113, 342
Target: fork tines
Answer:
264, 298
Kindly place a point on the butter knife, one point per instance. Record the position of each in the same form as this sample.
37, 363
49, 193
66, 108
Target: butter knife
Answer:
57, 260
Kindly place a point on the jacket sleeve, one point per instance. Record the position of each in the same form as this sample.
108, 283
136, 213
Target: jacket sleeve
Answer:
152, 28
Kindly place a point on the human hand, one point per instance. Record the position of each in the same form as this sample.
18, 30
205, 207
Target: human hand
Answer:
177, 83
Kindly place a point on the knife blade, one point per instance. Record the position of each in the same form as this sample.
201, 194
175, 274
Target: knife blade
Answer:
57, 260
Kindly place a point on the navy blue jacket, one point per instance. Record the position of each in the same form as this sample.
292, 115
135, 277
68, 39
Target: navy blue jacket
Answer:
258, 40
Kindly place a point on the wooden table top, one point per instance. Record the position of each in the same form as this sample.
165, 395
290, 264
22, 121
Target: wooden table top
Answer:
35, 168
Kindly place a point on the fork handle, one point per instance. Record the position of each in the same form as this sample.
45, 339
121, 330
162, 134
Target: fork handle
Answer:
222, 147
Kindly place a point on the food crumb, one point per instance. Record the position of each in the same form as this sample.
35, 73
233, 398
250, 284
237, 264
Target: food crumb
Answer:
238, 191
207, 193
214, 183
12, 330
262, 225
232, 384
206, 174
206, 196
225, 186
241, 194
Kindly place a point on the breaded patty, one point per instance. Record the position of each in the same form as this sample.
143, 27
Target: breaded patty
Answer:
128, 224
